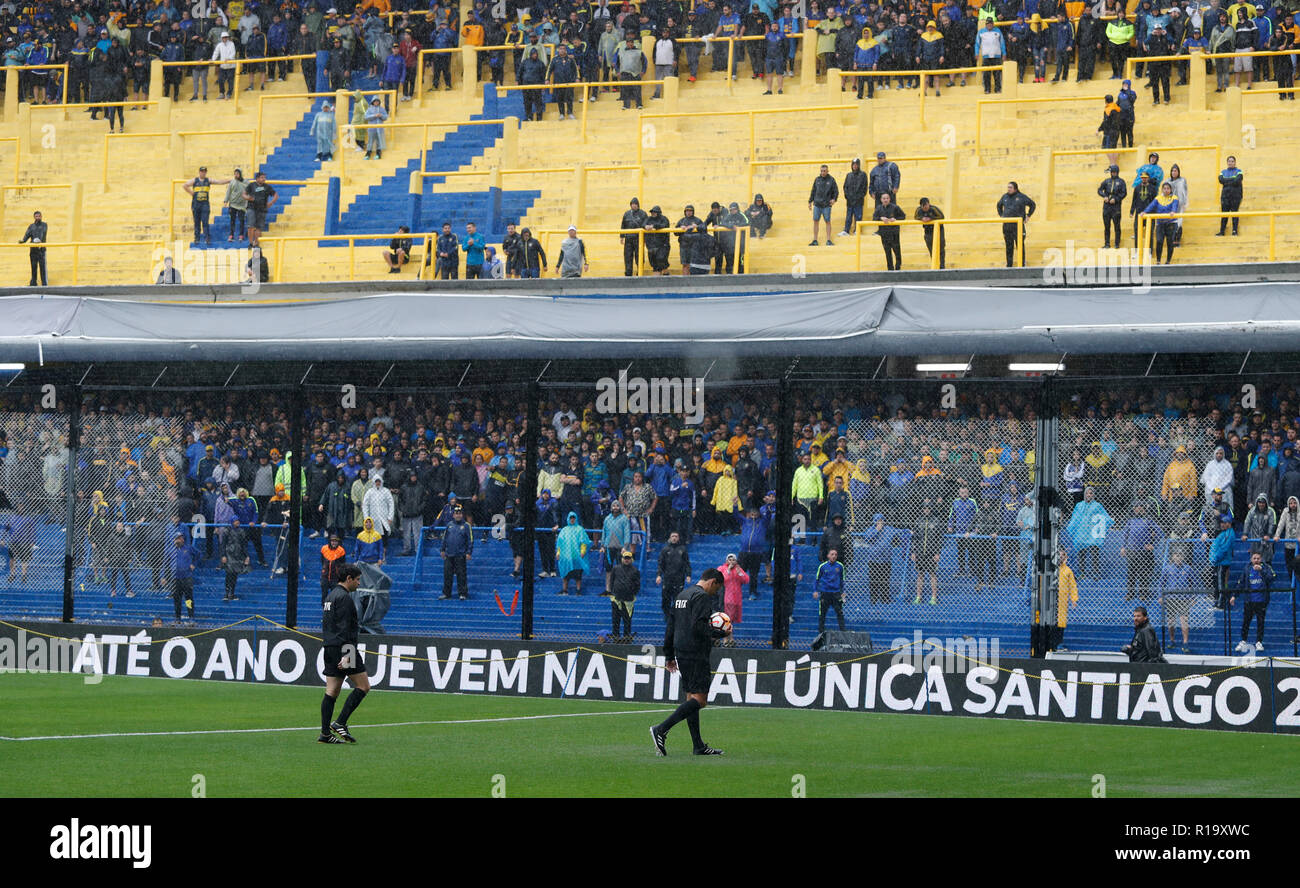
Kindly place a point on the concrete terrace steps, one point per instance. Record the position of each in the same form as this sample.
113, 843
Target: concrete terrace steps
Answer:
713, 149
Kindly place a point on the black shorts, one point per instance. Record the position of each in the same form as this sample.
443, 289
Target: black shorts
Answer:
334, 653
20, 551
253, 67
696, 675
259, 219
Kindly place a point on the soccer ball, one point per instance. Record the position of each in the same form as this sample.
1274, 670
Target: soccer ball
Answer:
719, 620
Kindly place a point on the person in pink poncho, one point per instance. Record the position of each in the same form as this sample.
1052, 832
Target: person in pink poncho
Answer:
734, 580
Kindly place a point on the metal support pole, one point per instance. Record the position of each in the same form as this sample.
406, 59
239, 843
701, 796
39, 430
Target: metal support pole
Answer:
296, 494
71, 539
782, 476
1046, 500
528, 506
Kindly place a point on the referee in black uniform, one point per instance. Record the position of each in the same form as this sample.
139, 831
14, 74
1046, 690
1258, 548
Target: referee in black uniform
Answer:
688, 642
342, 658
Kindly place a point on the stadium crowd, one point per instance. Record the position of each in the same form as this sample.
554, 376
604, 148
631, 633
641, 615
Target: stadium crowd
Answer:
108, 43
1165, 473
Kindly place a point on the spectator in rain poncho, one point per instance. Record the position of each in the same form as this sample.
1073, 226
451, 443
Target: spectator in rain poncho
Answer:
359, 120
571, 554
1087, 532
370, 544
725, 501
376, 139
377, 504
324, 130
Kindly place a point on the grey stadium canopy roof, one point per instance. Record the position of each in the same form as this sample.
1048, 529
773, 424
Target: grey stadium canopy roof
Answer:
509, 322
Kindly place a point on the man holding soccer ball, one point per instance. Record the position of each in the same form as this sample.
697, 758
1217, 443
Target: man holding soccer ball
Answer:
688, 641
342, 658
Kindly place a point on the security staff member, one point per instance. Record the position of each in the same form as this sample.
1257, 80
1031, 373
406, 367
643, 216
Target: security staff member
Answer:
36, 233
622, 584
633, 220
1015, 204
1112, 192
688, 641
343, 659
457, 549
674, 572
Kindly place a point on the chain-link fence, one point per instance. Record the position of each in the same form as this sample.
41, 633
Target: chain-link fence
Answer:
1168, 489
925, 493
421, 483
929, 492
647, 477
33, 503
178, 514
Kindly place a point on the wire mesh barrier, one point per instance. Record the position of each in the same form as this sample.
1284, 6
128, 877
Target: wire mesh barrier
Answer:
1168, 490
178, 497
919, 502
209, 503
645, 481
33, 504
421, 484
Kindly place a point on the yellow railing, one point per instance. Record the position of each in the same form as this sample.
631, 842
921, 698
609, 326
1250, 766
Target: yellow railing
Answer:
740, 248
216, 205
347, 134
1048, 202
276, 260
61, 68
980, 103
1129, 65
922, 73
902, 158
939, 225
77, 246
261, 106
1145, 232
733, 63
239, 69
1270, 91
580, 85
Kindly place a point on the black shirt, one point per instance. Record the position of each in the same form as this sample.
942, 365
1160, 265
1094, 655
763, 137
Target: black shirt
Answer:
258, 193
624, 582
400, 243
689, 634
36, 232
339, 618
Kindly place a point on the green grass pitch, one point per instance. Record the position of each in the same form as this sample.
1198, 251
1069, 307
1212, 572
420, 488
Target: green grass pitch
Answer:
463, 745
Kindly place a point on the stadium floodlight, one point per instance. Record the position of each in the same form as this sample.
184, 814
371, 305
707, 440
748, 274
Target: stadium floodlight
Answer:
943, 368
12, 368
1046, 367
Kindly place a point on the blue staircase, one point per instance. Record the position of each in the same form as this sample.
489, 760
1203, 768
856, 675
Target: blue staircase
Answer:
386, 205
293, 159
